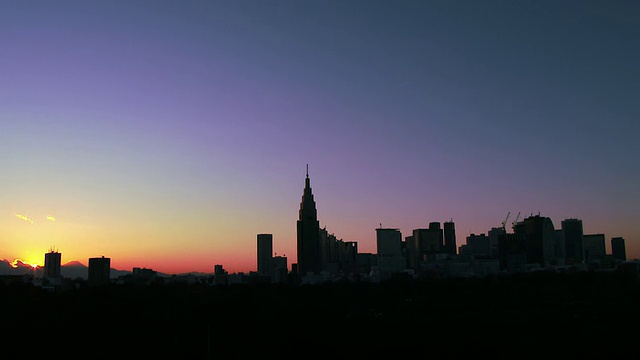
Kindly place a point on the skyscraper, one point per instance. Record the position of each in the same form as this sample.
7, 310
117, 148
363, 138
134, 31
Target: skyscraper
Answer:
279, 272
389, 247
265, 254
512, 250
450, 246
419, 252
494, 240
309, 255
52, 263
540, 239
99, 271
427, 242
618, 249
478, 245
436, 237
410, 252
573, 237
329, 252
594, 247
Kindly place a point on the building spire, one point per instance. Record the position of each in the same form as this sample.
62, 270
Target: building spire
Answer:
309, 251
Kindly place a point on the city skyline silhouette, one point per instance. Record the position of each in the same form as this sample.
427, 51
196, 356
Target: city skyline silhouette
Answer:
167, 135
559, 249
364, 179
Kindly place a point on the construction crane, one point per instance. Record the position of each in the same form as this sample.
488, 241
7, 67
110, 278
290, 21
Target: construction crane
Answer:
504, 223
513, 224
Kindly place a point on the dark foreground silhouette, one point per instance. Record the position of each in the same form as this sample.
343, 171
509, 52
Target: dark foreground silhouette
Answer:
539, 315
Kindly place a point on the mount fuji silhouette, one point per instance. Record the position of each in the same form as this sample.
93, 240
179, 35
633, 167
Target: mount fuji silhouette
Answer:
71, 270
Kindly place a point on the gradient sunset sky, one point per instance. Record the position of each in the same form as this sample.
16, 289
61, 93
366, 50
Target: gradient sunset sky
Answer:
168, 134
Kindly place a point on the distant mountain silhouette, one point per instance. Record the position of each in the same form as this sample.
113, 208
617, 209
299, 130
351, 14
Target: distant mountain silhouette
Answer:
76, 269
73, 263
20, 269
71, 270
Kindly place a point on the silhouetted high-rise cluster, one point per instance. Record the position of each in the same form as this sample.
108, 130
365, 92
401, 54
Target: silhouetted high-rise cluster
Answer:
532, 243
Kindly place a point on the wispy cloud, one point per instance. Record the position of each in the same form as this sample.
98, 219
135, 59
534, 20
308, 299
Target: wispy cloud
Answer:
24, 218
51, 218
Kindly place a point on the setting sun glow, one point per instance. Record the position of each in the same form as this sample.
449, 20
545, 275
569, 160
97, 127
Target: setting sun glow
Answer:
15, 263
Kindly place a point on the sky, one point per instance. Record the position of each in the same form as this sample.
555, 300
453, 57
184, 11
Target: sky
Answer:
168, 134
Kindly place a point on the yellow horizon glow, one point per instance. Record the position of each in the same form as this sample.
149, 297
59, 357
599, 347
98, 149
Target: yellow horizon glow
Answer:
192, 241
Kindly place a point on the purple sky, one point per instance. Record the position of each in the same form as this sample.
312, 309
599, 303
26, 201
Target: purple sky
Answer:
168, 134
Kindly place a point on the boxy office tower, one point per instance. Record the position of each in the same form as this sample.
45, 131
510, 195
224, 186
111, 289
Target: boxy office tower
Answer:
99, 271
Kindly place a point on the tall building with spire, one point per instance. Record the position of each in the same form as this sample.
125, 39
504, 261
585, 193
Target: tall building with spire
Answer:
309, 254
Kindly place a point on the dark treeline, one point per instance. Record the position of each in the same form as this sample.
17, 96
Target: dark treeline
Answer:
536, 315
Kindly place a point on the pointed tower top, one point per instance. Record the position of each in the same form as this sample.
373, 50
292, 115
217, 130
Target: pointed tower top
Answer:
307, 170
